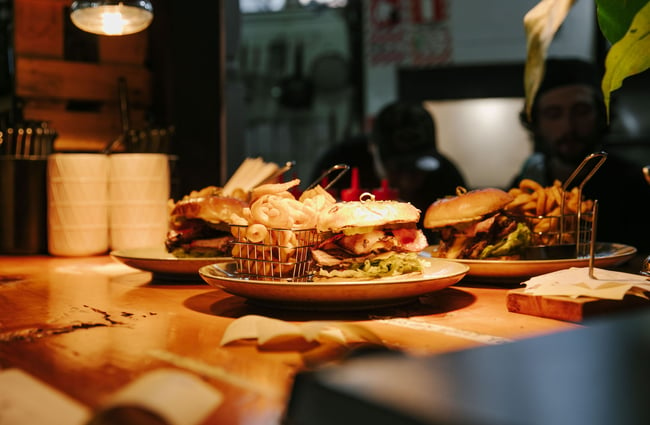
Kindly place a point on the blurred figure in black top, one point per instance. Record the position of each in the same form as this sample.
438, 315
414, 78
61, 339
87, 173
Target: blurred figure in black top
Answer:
568, 121
405, 142
402, 149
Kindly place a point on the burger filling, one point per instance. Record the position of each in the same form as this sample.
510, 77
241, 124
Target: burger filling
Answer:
371, 253
195, 237
494, 236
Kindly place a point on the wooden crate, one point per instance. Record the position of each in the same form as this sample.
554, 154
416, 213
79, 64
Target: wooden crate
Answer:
83, 130
65, 80
51, 87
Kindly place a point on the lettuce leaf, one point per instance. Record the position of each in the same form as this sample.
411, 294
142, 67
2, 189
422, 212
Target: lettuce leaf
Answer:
510, 245
393, 265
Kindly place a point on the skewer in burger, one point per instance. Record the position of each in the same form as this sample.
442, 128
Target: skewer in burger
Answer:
369, 239
199, 225
472, 225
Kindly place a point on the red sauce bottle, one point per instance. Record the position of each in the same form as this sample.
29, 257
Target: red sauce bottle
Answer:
354, 191
385, 192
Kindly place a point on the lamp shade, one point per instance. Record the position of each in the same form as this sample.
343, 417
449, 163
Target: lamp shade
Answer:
112, 17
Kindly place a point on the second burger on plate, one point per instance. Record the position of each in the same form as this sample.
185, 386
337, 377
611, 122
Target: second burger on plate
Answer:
473, 225
199, 225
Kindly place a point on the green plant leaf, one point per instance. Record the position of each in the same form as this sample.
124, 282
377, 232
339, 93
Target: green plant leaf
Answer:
629, 56
615, 16
541, 23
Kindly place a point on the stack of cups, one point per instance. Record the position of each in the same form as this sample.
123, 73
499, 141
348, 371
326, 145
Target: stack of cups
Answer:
77, 200
139, 188
97, 201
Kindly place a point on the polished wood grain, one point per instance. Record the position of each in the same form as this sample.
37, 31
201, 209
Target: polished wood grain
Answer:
88, 326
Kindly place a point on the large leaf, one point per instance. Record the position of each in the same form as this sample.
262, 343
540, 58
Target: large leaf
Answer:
541, 23
615, 16
629, 56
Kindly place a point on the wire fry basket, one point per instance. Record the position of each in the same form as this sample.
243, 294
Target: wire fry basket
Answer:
273, 254
576, 229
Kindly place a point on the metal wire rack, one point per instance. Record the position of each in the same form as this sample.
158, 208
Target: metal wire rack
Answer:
567, 235
574, 231
281, 254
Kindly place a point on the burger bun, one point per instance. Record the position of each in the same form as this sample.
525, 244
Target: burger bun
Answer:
213, 209
378, 214
468, 207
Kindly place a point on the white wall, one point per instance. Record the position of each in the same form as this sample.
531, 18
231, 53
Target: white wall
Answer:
483, 137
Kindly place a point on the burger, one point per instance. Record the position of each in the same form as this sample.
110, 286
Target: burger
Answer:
199, 226
473, 225
369, 239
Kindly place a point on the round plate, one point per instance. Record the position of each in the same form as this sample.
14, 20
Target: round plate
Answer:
163, 264
337, 293
606, 255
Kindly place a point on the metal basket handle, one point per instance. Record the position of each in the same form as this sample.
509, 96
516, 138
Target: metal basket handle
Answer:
341, 168
580, 176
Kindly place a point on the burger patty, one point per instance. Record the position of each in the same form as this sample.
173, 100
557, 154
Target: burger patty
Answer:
198, 234
475, 237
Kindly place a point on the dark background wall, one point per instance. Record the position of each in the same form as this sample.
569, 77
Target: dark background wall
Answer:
185, 56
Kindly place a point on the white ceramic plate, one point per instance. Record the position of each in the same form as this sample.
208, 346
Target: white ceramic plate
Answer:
163, 264
606, 255
336, 293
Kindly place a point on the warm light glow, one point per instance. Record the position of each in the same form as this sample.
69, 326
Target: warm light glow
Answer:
112, 23
118, 18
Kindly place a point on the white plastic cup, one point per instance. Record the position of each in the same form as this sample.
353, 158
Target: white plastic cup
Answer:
139, 188
77, 204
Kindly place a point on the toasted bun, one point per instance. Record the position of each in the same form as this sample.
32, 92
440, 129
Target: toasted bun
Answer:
345, 215
214, 209
464, 208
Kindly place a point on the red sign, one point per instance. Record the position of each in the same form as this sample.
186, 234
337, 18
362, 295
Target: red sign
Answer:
413, 32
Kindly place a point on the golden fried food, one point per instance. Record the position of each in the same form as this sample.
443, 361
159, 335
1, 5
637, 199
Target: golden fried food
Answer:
549, 210
274, 234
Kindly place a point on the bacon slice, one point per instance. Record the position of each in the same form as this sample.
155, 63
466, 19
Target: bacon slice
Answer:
340, 250
365, 243
412, 240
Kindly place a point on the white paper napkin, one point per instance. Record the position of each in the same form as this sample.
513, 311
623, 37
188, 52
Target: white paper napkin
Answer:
25, 400
178, 397
576, 282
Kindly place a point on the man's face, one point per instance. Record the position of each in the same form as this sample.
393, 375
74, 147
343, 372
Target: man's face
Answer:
567, 122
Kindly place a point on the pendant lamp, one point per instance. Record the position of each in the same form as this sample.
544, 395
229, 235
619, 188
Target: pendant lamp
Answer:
112, 17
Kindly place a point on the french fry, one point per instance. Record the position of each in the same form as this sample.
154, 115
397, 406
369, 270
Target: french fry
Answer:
541, 208
550, 199
520, 199
541, 202
530, 185
557, 193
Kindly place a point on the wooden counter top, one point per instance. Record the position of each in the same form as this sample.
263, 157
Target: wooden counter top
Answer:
88, 326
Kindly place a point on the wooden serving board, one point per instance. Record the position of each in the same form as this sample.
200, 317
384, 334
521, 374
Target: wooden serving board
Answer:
569, 309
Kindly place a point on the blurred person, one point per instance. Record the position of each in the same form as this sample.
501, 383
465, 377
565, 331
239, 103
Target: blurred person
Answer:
568, 121
401, 148
404, 146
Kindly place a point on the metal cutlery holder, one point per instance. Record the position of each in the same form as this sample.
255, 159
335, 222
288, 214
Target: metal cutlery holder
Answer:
28, 140
23, 205
23, 195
